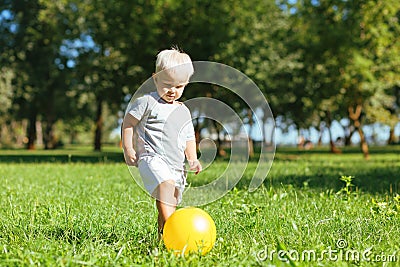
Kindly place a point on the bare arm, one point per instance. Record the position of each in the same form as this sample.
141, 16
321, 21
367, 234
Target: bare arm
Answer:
191, 156
127, 139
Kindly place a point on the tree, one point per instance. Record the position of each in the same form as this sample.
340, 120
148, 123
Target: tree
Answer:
257, 45
39, 28
348, 56
123, 36
373, 52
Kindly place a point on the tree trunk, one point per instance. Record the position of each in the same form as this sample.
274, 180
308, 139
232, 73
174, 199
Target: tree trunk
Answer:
355, 115
250, 140
221, 152
272, 134
99, 125
321, 132
31, 131
332, 145
392, 136
300, 139
363, 143
197, 132
39, 133
347, 138
348, 133
21, 136
48, 137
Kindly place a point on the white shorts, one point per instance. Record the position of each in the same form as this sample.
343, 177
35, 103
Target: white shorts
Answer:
154, 171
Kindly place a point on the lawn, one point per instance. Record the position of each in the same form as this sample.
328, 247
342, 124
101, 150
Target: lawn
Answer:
80, 208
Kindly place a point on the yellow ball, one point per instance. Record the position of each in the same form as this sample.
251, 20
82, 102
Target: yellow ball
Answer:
189, 230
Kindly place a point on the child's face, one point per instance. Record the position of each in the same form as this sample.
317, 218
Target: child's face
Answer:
170, 85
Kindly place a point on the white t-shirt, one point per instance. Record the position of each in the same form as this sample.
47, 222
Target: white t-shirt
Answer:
163, 128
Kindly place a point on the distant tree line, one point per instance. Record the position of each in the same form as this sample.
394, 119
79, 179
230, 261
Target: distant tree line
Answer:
67, 67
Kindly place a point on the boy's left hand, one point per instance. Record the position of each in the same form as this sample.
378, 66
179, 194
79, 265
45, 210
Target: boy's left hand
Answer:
194, 165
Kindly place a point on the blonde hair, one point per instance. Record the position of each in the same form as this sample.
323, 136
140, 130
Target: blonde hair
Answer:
170, 58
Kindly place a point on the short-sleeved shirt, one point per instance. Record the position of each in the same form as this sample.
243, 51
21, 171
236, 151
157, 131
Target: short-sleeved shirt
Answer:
163, 128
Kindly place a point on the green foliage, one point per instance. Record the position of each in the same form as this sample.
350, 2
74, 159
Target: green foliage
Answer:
349, 50
312, 59
386, 209
347, 189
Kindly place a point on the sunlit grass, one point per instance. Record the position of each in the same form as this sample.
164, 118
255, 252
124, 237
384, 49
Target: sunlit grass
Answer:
78, 214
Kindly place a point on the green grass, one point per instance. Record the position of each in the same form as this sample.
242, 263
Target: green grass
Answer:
88, 211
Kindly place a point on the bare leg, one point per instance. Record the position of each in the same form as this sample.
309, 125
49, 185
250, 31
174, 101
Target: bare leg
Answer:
166, 200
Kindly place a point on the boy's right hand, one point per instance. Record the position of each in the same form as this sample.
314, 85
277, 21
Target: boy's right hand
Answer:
130, 157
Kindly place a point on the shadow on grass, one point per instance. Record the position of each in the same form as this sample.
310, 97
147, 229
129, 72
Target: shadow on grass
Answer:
79, 235
377, 180
374, 179
322, 171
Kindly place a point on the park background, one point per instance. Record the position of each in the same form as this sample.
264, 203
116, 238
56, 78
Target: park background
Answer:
329, 70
